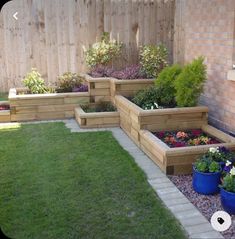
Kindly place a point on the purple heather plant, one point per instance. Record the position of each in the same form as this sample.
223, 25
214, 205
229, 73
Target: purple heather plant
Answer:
82, 88
129, 72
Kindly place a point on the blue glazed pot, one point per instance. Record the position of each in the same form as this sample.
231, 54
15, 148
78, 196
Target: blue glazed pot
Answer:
206, 183
227, 201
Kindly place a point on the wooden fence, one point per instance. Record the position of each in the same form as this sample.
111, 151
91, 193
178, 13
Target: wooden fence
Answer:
51, 35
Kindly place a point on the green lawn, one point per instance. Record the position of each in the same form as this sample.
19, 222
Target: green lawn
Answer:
57, 184
3, 96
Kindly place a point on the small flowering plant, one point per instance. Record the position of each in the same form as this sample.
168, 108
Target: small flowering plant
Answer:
220, 154
228, 182
185, 138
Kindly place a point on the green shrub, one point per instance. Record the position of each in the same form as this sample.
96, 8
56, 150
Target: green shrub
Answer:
189, 83
153, 59
165, 82
148, 98
68, 81
34, 82
103, 52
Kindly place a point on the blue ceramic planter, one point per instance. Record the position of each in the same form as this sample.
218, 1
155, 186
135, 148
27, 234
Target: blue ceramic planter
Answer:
206, 183
228, 201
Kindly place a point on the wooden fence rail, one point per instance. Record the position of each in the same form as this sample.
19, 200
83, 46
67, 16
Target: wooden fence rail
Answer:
51, 35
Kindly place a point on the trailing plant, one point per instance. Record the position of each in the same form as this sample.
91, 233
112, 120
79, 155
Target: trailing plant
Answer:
148, 97
33, 80
189, 83
165, 82
153, 58
68, 81
206, 165
103, 52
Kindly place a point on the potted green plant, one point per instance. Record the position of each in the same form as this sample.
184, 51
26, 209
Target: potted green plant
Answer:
227, 192
206, 176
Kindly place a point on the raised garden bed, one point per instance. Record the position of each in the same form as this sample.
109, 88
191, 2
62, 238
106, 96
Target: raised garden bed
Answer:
99, 88
92, 116
128, 88
4, 112
179, 160
26, 107
133, 118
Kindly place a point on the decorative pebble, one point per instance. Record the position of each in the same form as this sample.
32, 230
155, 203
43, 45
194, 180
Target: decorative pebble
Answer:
206, 204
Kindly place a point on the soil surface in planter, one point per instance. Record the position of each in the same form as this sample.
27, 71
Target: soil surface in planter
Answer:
207, 205
99, 107
4, 107
186, 138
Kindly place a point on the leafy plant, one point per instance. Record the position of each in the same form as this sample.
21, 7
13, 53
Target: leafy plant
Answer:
205, 165
33, 80
165, 82
101, 106
229, 183
153, 59
147, 97
103, 52
189, 83
68, 81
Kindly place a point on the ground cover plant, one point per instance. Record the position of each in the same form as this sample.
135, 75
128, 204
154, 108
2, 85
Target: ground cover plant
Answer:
185, 138
58, 184
101, 106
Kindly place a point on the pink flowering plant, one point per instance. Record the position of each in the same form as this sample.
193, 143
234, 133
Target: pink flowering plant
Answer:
175, 139
4, 107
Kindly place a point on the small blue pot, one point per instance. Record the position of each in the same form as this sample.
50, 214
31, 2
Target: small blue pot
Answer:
206, 183
227, 201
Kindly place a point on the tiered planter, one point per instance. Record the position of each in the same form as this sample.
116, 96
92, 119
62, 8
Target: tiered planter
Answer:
99, 88
137, 122
4, 114
96, 119
179, 160
133, 118
44, 106
129, 88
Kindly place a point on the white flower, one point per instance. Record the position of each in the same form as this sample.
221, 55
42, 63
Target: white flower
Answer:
228, 163
213, 150
157, 106
152, 107
232, 171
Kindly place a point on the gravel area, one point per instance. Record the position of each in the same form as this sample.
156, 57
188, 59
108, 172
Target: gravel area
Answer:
207, 205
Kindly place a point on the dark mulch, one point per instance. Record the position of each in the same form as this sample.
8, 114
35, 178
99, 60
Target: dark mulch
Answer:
207, 205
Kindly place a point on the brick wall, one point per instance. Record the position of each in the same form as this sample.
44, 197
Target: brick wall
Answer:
209, 31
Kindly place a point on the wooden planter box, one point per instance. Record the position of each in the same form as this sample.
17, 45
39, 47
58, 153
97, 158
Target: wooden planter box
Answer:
99, 88
44, 106
128, 88
96, 119
133, 118
175, 161
5, 114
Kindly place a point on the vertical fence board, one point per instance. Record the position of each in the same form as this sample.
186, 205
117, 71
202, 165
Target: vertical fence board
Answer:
51, 35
